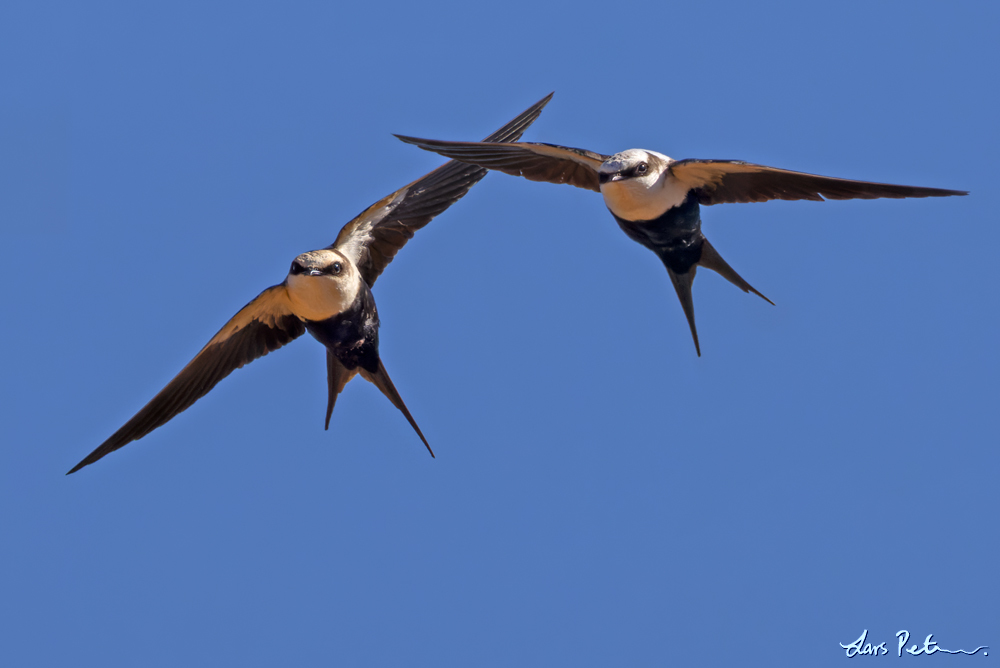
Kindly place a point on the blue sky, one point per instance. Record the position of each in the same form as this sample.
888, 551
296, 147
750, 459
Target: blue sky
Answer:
601, 496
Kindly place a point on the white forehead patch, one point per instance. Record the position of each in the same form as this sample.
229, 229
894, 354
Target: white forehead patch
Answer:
320, 258
630, 158
623, 160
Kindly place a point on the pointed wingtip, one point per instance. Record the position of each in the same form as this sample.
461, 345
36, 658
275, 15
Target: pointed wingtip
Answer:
510, 132
416, 141
84, 462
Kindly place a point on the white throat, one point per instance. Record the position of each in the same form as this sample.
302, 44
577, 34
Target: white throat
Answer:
644, 197
320, 298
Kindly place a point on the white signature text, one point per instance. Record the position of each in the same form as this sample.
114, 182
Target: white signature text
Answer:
861, 647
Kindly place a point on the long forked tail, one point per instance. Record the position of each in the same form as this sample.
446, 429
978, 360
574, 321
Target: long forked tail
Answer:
710, 259
337, 377
682, 284
683, 280
382, 381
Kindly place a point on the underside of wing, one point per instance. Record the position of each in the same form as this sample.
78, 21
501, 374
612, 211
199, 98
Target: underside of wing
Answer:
263, 325
535, 162
723, 181
374, 237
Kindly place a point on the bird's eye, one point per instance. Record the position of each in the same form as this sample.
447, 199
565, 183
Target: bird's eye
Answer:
335, 269
296, 268
641, 168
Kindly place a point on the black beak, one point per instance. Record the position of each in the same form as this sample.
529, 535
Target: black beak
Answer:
314, 272
604, 178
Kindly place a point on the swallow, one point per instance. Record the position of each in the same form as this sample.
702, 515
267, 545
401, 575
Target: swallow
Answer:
657, 200
327, 293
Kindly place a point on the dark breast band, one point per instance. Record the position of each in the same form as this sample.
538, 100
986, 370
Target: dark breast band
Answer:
352, 336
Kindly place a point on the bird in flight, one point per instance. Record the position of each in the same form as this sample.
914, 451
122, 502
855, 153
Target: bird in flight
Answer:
656, 199
327, 293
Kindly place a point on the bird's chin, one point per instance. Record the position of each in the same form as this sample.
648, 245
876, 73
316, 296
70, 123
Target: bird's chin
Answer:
319, 298
629, 200
643, 198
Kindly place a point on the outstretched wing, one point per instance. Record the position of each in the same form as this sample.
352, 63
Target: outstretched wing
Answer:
535, 162
263, 325
374, 237
722, 181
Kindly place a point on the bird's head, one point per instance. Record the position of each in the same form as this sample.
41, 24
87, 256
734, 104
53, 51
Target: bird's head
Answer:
635, 164
633, 182
322, 284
